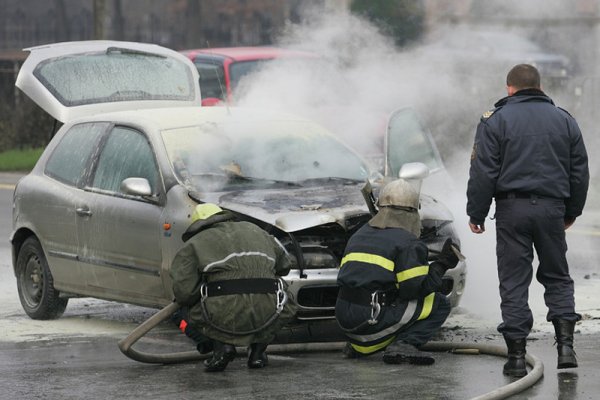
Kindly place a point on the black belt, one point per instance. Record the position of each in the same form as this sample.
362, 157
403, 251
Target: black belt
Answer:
518, 195
365, 297
241, 286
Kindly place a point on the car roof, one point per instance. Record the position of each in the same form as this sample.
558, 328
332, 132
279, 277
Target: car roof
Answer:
246, 53
172, 118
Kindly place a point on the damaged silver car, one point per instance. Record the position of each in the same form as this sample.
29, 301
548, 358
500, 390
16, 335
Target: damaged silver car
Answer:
103, 211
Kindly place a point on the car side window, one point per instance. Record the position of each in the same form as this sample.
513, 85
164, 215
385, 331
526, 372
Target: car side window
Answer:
212, 80
126, 154
70, 159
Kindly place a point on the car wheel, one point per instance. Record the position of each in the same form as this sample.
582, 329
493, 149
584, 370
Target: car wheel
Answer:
35, 284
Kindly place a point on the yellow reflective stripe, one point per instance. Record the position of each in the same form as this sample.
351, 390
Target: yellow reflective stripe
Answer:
369, 259
427, 306
373, 348
412, 273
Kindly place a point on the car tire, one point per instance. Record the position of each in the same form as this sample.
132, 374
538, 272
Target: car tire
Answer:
35, 284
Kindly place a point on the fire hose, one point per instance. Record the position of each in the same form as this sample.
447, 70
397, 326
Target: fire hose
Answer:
125, 345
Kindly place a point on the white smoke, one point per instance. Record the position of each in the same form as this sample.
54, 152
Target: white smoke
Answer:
359, 78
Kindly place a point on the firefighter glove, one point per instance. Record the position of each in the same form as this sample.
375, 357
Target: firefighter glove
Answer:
448, 257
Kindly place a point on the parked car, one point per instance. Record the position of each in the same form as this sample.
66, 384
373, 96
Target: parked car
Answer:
103, 211
488, 54
221, 69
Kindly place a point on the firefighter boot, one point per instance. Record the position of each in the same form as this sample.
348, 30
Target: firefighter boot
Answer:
222, 354
257, 357
564, 343
515, 366
403, 353
350, 352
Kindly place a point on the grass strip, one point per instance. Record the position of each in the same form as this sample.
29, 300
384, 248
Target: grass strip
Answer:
19, 159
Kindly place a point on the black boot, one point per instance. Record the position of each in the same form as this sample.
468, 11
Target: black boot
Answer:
564, 343
403, 353
516, 365
257, 357
222, 354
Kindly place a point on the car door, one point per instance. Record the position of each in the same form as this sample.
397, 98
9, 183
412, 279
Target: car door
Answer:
408, 141
52, 209
120, 233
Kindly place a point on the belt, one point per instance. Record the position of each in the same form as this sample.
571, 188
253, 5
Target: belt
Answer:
242, 286
516, 195
365, 297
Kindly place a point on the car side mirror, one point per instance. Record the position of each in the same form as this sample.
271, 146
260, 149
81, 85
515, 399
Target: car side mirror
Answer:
136, 187
414, 171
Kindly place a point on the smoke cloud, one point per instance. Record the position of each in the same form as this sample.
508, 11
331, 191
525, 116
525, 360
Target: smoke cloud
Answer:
358, 78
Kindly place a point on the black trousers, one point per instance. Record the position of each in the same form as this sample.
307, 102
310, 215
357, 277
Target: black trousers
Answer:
396, 323
420, 332
523, 224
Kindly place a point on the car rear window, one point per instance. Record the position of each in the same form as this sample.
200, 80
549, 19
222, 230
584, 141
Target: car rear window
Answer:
115, 75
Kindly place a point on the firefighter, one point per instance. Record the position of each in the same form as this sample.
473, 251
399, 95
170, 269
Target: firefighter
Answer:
529, 155
389, 294
228, 276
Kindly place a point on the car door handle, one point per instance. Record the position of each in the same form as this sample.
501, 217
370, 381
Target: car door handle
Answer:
83, 211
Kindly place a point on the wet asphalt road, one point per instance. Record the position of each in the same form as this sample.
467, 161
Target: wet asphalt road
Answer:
77, 357
93, 368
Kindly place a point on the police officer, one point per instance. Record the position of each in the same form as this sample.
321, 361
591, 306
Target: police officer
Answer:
228, 276
388, 296
529, 155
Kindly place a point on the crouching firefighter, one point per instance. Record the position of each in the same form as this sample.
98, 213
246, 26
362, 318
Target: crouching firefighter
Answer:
228, 277
388, 298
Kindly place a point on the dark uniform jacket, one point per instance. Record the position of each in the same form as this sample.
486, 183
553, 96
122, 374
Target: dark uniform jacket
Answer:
227, 251
528, 145
391, 260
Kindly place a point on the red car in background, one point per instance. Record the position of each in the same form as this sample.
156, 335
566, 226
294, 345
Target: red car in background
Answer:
221, 69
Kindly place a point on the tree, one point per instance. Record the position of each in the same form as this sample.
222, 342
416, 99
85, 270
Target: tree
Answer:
402, 20
99, 15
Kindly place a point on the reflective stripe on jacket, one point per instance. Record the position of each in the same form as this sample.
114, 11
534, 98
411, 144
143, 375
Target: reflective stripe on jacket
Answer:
383, 260
229, 251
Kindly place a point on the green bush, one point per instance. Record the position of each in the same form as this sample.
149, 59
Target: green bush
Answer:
19, 160
402, 20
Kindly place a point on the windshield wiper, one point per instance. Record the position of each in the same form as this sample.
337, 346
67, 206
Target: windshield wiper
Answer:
242, 178
121, 50
331, 179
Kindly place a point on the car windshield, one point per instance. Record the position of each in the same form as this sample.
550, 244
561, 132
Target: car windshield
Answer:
240, 69
115, 75
255, 155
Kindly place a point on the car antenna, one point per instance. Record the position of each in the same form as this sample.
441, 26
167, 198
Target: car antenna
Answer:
221, 86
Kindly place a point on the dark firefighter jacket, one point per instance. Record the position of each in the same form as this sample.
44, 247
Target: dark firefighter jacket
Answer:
225, 251
527, 144
391, 260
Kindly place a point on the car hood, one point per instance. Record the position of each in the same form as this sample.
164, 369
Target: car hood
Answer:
293, 210
77, 79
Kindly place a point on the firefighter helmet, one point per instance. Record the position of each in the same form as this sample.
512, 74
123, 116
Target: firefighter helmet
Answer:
205, 211
399, 193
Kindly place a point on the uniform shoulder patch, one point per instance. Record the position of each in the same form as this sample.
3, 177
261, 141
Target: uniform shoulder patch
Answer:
488, 114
